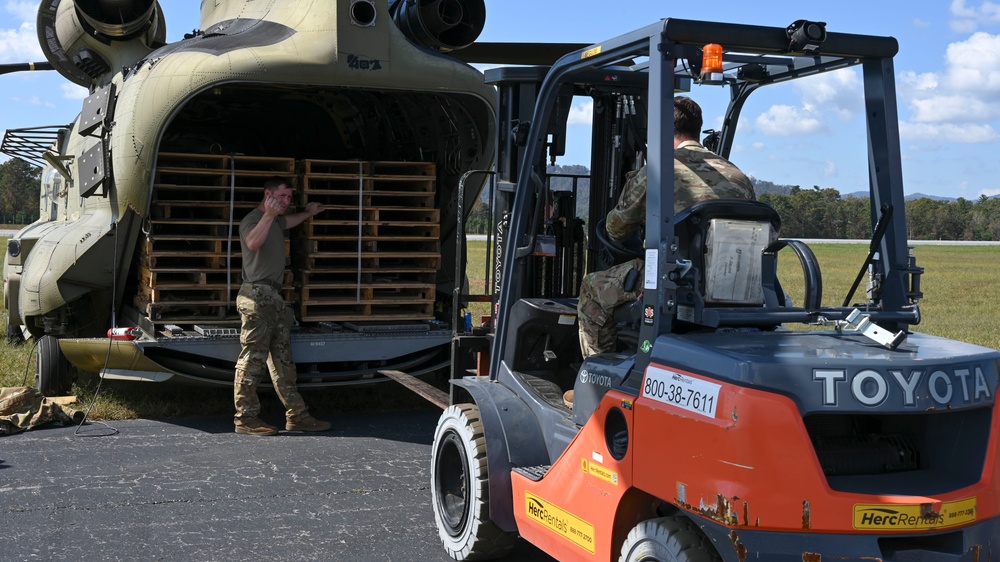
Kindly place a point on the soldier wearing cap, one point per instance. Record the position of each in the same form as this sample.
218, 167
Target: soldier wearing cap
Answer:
699, 175
266, 331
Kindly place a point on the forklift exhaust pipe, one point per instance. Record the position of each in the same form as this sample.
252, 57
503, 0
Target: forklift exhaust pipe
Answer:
443, 25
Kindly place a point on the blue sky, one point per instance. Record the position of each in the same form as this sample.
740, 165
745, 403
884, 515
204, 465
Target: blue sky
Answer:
811, 133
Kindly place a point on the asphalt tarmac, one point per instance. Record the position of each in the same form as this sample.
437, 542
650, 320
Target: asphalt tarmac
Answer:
191, 489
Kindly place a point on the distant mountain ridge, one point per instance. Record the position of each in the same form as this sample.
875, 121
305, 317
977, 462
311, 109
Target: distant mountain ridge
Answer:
763, 186
760, 187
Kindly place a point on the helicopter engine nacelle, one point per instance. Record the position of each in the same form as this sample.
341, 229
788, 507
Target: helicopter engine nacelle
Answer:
443, 25
85, 39
117, 19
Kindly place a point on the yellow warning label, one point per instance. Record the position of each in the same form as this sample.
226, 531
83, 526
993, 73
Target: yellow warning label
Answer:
563, 523
591, 52
908, 517
599, 471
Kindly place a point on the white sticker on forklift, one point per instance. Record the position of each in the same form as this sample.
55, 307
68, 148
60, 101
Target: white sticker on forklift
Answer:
649, 275
686, 392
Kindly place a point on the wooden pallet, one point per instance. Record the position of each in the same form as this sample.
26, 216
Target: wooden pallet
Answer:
196, 278
375, 260
172, 243
367, 292
183, 209
332, 168
374, 251
395, 169
190, 162
368, 275
190, 263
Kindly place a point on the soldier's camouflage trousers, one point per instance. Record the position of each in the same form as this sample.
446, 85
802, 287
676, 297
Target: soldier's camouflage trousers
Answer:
266, 338
600, 293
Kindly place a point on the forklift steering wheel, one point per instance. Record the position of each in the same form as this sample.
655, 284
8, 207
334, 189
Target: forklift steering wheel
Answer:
614, 253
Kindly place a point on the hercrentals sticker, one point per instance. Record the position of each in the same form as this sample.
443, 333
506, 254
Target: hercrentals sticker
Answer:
596, 470
911, 517
563, 523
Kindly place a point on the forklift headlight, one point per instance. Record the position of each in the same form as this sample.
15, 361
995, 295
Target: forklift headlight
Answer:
806, 36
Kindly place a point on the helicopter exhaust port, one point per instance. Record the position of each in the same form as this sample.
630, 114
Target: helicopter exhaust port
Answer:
117, 19
443, 25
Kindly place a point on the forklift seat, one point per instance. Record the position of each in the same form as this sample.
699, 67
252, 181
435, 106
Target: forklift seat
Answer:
722, 241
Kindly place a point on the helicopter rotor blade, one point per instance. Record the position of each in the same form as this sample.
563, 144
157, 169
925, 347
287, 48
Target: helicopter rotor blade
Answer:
24, 66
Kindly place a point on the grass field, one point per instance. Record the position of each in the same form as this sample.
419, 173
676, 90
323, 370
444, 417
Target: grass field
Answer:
959, 303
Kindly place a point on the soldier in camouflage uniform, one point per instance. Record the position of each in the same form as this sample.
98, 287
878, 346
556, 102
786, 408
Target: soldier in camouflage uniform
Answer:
266, 334
699, 174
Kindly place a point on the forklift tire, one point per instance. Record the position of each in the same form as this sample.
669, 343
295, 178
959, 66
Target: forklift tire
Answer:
54, 374
460, 486
667, 539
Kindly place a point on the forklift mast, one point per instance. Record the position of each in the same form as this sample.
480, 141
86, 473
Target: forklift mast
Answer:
637, 75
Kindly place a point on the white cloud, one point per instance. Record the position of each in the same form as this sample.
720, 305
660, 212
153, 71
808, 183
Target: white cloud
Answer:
975, 63
917, 22
833, 93
26, 11
73, 92
918, 82
966, 91
34, 101
750, 149
953, 108
20, 45
787, 120
969, 133
582, 113
838, 91
830, 169
963, 26
968, 18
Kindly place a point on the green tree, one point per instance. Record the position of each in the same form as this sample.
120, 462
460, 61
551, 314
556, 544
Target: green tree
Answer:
19, 191
855, 215
478, 221
984, 219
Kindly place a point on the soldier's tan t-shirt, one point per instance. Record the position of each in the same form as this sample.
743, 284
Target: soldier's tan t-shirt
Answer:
268, 262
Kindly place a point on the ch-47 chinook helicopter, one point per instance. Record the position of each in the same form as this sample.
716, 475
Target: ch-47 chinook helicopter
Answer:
362, 102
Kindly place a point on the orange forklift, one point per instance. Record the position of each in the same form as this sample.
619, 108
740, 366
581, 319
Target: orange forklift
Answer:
733, 423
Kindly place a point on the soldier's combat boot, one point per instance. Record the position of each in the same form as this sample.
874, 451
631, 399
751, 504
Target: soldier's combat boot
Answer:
254, 426
305, 422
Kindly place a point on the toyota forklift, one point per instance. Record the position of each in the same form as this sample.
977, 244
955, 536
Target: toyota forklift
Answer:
733, 423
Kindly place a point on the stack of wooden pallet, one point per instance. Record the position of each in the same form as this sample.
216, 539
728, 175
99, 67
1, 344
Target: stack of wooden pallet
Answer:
189, 261
374, 252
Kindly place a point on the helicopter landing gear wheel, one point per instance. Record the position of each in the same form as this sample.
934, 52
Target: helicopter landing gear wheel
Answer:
667, 539
54, 374
460, 488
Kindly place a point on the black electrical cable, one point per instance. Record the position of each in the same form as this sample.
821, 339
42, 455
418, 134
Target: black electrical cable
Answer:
107, 356
97, 392
27, 361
